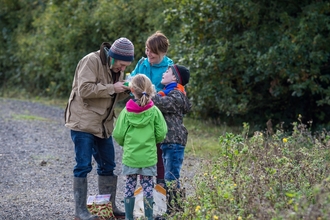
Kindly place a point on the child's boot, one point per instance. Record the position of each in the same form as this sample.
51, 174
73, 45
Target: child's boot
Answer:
148, 208
129, 208
175, 199
180, 197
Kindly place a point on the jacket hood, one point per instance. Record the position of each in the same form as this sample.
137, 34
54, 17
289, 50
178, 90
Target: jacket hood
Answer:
103, 56
139, 116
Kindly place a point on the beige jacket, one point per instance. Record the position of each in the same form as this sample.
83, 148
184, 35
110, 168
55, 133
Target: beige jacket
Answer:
92, 100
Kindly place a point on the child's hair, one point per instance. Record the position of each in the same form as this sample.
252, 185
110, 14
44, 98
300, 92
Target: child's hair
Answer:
142, 88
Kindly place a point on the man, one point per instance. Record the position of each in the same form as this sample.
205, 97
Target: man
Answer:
96, 88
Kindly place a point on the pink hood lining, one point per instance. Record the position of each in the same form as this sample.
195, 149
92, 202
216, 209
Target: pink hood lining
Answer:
131, 106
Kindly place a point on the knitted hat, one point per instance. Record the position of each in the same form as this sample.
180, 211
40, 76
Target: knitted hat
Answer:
181, 73
122, 49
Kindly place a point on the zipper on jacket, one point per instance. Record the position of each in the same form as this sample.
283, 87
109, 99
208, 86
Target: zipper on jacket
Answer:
104, 120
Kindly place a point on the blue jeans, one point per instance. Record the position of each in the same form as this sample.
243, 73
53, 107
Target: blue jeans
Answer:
173, 155
87, 145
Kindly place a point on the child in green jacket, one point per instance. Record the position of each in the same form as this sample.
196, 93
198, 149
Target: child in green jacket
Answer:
139, 127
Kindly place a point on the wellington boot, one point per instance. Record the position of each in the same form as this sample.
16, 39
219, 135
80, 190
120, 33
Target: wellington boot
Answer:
80, 197
129, 208
148, 208
108, 185
175, 199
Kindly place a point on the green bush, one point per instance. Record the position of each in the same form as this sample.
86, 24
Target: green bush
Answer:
264, 177
49, 42
250, 61
16, 18
255, 60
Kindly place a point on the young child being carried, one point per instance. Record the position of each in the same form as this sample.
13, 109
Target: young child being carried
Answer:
139, 127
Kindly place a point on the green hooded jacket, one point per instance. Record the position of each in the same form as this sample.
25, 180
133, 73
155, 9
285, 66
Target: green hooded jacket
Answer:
138, 130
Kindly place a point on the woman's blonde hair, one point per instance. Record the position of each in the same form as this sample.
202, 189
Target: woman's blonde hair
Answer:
142, 88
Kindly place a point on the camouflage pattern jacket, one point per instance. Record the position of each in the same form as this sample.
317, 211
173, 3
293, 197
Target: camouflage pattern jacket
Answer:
173, 106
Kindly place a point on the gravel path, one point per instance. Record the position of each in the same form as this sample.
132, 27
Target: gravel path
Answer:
36, 162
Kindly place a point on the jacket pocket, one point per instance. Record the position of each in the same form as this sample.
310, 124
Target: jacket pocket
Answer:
98, 106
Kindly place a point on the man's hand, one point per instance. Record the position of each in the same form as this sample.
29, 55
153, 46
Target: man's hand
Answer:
120, 87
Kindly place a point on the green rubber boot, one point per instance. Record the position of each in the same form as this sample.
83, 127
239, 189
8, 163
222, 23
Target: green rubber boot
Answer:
148, 208
129, 208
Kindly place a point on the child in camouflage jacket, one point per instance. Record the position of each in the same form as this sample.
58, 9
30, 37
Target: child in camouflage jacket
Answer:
172, 101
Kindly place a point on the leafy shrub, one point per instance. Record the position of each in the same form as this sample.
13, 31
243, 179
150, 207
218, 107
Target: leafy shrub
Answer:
255, 60
44, 47
264, 177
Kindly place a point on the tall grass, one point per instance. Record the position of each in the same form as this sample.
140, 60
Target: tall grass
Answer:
203, 137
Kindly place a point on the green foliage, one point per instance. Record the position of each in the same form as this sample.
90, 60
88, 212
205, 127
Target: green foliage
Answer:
264, 177
49, 44
135, 20
15, 21
248, 57
250, 60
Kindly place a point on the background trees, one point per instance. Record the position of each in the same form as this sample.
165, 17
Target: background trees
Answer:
254, 60
250, 60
